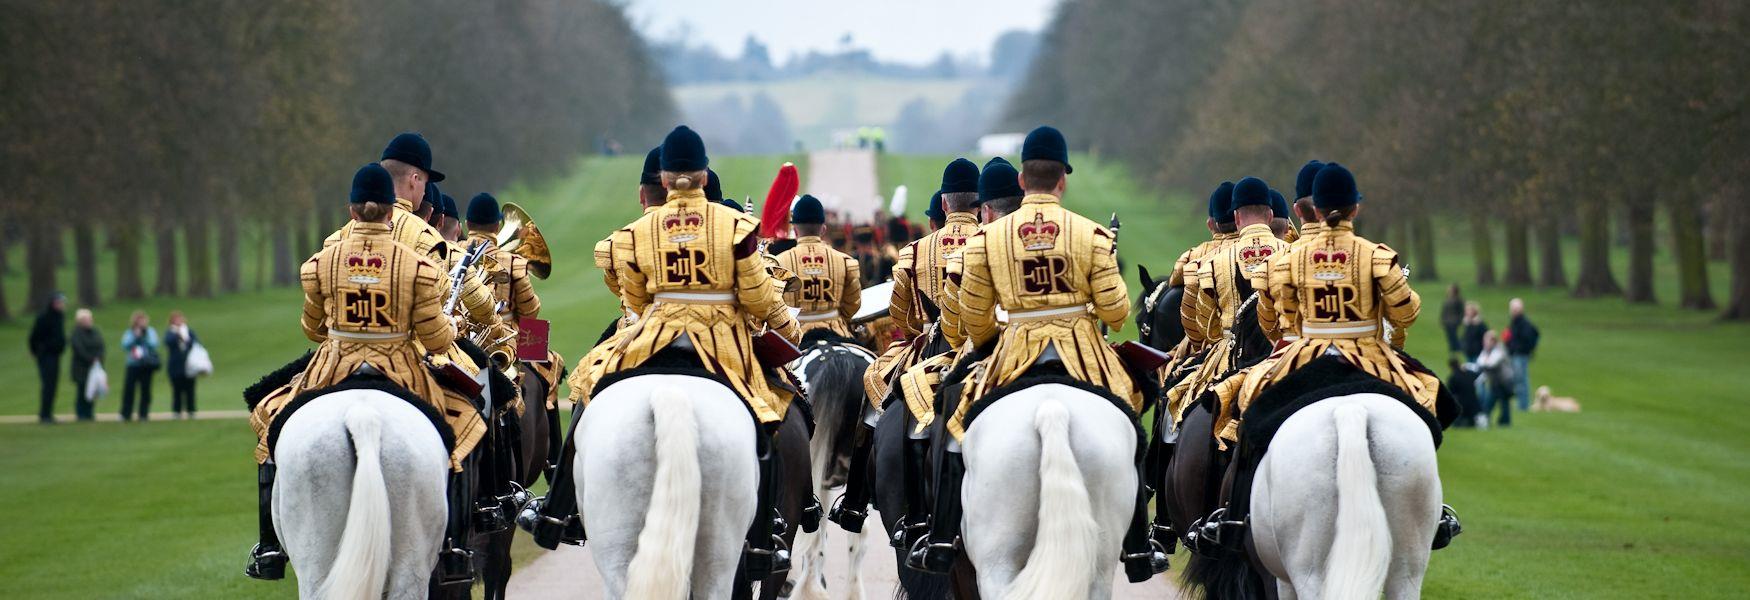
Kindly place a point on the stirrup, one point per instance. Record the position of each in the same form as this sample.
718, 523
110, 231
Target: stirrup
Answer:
848, 519
1166, 537
934, 557
762, 563
1214, 535
455, 564
549, 532
1448, 528
266, 562
909, 532
1141, 566
811, 515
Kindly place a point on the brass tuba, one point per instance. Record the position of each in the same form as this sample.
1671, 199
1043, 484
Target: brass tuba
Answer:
519, 236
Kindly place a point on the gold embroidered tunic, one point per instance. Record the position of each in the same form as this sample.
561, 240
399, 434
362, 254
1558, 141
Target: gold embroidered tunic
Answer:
692, 268
828, 288
1342, 289
1218, 273
919, 277
1056, 273
407, 228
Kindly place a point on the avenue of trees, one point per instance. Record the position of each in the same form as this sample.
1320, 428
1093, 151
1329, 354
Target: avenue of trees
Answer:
1519, 124
195, 127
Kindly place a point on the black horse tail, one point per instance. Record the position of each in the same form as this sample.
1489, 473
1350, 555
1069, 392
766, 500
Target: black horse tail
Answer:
1228, 577
835, 389
919, 585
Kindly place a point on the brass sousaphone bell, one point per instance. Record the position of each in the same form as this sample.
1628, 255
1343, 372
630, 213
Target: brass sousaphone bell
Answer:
519, 236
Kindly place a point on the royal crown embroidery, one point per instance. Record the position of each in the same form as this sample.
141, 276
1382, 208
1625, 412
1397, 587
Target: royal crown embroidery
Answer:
949, 244
1330, 265
1038, 234
1255, 255
683, 226
812, 265
364, 267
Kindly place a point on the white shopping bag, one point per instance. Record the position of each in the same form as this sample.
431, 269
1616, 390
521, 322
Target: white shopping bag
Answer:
96, 383
199, 363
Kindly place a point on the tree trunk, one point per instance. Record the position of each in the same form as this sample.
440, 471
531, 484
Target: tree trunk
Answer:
1595, 278
85, 258
230, 256
124, 238
1482, 248
40, 259
1738, 252
1425, 268
1552, 272
308, 244
198, 247
1518, 253
1689, 248
1640, 253
6, 237
284, 267
5, 307
166, 239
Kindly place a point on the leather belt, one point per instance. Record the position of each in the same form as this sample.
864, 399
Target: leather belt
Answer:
360, 336
696, 297
817, 317
1020, 316
1350, 330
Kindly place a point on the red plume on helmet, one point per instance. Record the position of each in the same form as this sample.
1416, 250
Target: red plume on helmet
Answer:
775, 214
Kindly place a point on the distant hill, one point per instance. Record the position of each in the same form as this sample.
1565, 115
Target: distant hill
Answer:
919, 115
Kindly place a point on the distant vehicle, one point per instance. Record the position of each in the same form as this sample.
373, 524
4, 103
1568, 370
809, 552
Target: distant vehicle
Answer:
1001, 144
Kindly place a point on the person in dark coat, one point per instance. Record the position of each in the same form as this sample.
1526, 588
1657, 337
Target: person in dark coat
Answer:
178, 339
140, 345
1521, 340
1471, 340
48, 340
1451, 317
87, 345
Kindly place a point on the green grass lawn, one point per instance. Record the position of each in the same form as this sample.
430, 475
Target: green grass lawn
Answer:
1640, 495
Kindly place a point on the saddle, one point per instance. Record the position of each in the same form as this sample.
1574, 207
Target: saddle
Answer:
363, 382
1053, 372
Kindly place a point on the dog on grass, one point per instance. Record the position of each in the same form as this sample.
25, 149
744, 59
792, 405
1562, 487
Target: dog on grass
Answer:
1547, 402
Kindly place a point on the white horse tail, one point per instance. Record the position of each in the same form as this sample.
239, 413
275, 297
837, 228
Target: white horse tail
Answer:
663, 565
1061, 564
361, 566
1361, 551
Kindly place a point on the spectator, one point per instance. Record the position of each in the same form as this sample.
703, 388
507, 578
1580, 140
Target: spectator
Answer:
1474, 328
1494, 388
48, 340
140, 343
1521, 340
178, 339
87, 351
1451, 317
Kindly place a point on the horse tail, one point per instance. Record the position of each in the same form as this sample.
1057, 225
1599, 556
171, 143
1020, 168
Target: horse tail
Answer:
663, 565
1361, 551
361, 566
835, 390
1061, 564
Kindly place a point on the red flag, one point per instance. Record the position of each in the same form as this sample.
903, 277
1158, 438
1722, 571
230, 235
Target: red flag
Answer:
775, 215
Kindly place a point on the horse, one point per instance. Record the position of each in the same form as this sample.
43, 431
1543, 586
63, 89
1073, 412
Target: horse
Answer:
831, 372
359, 500
492, 550
1157, 312
1048, 492
667, 502
790, 445
887, 469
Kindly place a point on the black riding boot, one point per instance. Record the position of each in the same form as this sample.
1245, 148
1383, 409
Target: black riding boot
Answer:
1449, 527
455, 561
914, 520
853, 507
1224, 530
766, 554
1162, 532
937, 552
553, 520
266, 560
1143, 556
555, 445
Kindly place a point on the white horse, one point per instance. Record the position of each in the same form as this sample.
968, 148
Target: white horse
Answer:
1348, 507
666, 484
832, 375
1048, 493
369, 527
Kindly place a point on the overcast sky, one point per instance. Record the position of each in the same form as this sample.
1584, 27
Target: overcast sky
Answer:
911, 31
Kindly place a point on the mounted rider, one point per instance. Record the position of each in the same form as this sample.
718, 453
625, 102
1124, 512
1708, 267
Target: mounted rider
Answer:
829, 282
507, 278
369, 301
691, 269
1056, 274
1310, 225
1217, 289
1345, 296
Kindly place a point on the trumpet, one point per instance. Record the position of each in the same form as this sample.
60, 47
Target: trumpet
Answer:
519, 236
